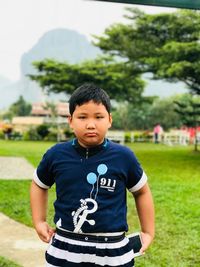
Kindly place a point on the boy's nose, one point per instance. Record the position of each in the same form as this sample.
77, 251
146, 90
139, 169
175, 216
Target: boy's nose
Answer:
90, 125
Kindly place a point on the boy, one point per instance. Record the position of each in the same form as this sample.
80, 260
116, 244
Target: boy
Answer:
91, 175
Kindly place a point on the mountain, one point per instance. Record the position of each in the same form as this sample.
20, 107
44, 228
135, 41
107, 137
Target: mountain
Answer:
59, 44
8, 92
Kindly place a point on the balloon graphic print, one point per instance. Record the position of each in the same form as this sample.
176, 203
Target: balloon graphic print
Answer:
91, 178
102, 169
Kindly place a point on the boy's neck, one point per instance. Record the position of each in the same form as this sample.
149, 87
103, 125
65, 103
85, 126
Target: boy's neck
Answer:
88, 151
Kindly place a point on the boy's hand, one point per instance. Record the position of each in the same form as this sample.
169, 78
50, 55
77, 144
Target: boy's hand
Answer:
146, 241
44, 231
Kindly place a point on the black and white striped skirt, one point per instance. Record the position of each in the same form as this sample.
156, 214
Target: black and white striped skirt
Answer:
69, 249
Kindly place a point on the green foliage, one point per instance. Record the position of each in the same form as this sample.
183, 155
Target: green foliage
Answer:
127, 137
146, 115
43, 130
130, 117
162, 112
121, 81
55, 76
1, 135
188, 109
16, 135
164, 44
68, 133
8, 115
180, 62
51, 136
20, 107
32, 134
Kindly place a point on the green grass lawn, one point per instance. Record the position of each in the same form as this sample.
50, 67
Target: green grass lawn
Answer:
174, 178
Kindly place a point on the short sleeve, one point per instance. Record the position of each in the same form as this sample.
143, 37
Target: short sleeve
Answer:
136, 175
43, 176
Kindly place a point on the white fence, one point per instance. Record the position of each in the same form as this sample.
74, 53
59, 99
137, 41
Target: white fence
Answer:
174, 137
180, 138
116, 136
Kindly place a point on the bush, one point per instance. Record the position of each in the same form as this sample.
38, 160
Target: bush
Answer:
31, 134
68, 133
127, 137
43, 130
143, 136
2, 135
52, 136
16, 136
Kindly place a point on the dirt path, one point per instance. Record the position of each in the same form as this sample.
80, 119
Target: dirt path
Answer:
20, 243
15, 168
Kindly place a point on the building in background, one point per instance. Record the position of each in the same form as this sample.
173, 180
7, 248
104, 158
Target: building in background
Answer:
42, 113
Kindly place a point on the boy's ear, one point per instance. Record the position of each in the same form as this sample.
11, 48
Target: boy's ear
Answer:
69, 119
110, 120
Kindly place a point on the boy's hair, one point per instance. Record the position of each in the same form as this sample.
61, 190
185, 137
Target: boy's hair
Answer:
89, 92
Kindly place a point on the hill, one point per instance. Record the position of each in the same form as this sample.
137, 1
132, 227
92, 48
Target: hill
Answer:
59, 44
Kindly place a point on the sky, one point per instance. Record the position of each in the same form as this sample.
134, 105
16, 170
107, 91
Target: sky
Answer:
23, 22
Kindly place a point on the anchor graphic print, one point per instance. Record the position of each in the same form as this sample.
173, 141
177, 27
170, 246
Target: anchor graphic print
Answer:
88, 205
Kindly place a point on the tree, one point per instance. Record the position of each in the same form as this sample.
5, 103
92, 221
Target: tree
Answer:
146, 115
162, 112
121, 81
189, 112
19, 108
179, 62
43, 130
165, 44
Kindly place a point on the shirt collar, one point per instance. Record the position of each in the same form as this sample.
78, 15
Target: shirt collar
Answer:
88, 152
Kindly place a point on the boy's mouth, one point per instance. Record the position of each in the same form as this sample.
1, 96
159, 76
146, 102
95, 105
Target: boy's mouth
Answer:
91, 134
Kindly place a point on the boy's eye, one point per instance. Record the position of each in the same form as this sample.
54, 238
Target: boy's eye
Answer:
100, 117
82, 117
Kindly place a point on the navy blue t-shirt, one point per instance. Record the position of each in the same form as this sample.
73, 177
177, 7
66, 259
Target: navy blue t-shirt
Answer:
91, 192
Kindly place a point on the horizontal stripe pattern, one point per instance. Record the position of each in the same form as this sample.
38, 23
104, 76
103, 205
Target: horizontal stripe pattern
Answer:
70, 252
116, 245
91, 238
63, 263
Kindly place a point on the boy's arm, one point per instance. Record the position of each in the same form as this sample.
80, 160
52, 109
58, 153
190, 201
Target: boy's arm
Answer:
145, 209
39, 199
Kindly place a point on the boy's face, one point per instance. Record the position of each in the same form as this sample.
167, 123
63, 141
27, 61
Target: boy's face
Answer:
90, 123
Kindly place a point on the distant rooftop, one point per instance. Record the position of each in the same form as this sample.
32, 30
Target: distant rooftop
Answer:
41, 109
